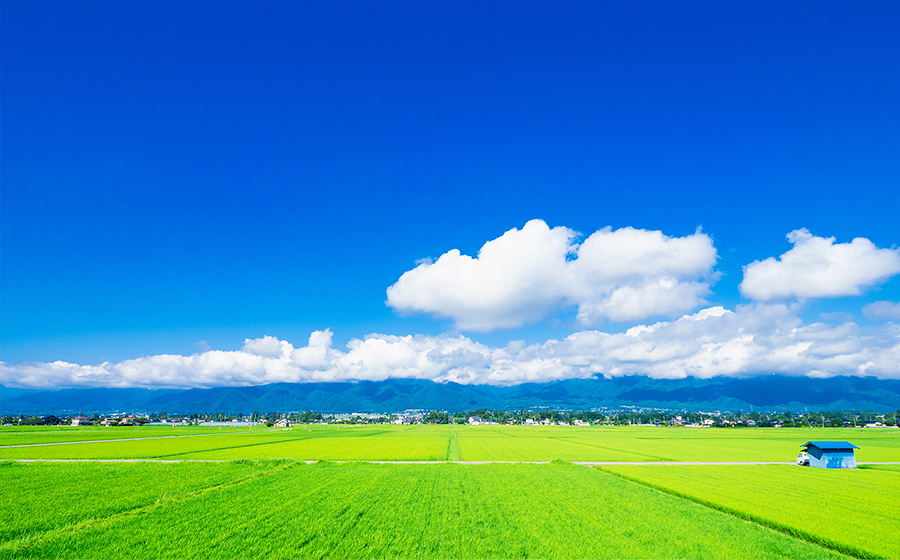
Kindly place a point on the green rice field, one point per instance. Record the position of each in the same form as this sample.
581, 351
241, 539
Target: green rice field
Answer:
854, 510
457, 492
438, 443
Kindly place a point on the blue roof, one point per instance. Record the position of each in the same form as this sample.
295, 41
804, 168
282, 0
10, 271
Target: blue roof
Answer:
831, 444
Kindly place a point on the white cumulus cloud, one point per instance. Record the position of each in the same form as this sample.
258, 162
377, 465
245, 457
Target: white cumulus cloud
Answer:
525, 275
749, 340
818, 267
267, 346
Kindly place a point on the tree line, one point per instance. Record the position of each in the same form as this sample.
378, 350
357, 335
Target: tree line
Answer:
834, 418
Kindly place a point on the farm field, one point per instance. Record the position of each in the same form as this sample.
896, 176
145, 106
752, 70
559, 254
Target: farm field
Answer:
441, 443
857, 511
39, 498
56, 434
259, 500
266, 510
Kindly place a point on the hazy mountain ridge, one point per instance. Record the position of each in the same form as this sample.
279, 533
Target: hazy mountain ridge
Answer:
769, 392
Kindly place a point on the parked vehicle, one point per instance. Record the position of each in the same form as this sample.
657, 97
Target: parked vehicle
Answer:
803, 459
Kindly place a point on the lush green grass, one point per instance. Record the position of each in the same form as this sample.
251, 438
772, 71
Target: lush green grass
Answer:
535, 447
319, 444
141, 448
543, 443
882, 467
40, 497
758, 444
466, 443
29, 435
349, 510
340, 449
374, 511
855, 510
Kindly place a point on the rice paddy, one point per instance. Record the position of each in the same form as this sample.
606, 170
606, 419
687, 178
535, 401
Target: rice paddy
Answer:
242, 494
437, 443
378, 511
857, 511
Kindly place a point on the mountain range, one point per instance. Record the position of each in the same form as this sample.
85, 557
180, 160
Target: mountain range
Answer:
767, 392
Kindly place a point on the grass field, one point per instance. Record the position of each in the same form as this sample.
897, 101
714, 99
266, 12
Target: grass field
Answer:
857, 511
260, 502
54, 434
372, 511
39, 498
441, 443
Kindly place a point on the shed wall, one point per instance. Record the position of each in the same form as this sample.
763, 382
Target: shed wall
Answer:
836, 459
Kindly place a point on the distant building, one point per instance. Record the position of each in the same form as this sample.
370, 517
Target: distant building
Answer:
831, 454
283, 423
475, 420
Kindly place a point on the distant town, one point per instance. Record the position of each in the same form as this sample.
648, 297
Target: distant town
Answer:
619, 417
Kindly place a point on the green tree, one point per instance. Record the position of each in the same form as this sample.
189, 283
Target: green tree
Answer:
309, 416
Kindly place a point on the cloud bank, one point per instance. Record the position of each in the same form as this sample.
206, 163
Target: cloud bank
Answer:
750, 340
817, 267
525, 275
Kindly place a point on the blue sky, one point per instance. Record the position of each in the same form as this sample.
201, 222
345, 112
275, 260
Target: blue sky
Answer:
222, 172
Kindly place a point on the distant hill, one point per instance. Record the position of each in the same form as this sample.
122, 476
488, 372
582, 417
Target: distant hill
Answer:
768, 392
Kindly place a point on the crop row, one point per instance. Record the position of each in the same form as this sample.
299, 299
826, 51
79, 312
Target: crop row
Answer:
12, 435
468, 443
41, 497
853, 510
398, 511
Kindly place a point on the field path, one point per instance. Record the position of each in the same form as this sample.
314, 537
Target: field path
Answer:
112, 440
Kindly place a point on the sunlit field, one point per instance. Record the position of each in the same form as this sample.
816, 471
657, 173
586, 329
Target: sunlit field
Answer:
204, 510
439, 443
857, 511
445, 492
